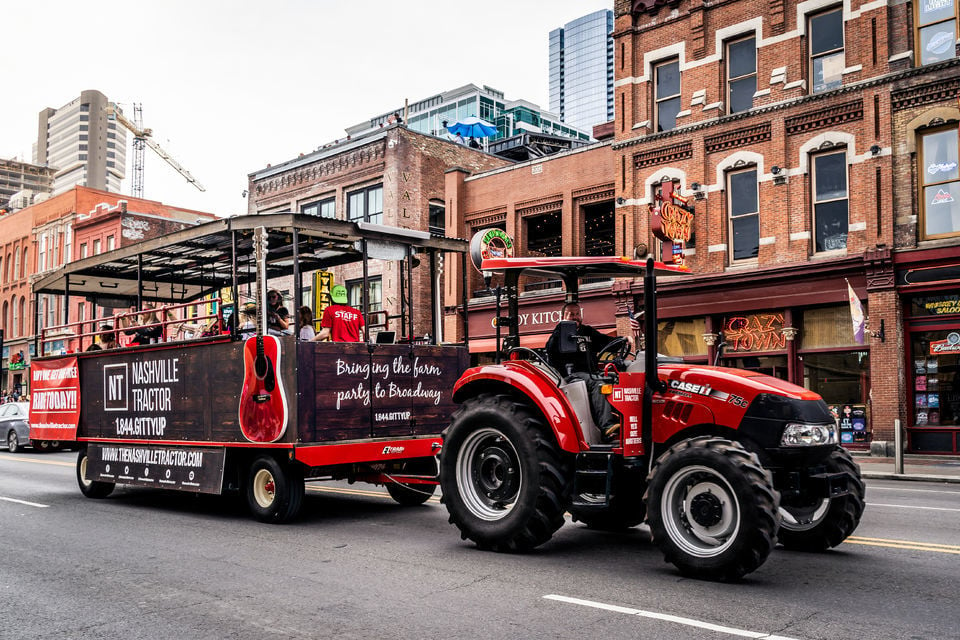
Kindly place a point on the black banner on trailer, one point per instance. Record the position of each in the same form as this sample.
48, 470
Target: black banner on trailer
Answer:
196, 469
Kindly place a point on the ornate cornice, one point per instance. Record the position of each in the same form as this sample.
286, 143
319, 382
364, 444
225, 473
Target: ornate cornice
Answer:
925, 94
738, 137
789, 104
537, 206
663, 155
346, 162
826, 117
594, 194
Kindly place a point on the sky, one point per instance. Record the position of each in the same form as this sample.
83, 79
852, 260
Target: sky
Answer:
229, 87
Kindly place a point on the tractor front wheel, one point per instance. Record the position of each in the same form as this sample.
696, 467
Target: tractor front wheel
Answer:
712, 508
817, 525
504, 479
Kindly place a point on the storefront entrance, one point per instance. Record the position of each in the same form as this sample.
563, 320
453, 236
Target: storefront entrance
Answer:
934, 375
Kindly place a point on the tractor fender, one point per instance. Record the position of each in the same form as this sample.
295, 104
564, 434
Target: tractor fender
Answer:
520, 377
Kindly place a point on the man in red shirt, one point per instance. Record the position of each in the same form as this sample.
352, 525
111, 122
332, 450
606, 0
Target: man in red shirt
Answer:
341, 322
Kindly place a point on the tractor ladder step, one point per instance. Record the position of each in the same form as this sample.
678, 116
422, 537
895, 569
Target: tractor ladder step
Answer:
593, 479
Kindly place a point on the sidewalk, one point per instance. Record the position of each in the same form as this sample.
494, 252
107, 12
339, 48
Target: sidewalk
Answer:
915, 467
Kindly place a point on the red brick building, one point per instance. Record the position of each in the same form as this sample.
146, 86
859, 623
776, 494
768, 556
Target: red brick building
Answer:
44, 236
391, 176
817, 143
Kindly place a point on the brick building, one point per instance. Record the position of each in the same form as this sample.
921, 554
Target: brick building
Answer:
44, 236
817, 144
392, 176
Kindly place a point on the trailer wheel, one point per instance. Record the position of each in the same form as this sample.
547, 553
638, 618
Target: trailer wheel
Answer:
820, 524
712, 508
413, 495
504, 479
13, 442
274, 491
91, 488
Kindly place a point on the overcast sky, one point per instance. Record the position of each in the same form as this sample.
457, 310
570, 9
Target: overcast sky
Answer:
231, 86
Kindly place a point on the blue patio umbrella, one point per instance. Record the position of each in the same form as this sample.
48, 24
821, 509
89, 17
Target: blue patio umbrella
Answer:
472, 127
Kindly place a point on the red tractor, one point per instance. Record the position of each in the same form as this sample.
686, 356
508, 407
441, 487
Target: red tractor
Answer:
721, 463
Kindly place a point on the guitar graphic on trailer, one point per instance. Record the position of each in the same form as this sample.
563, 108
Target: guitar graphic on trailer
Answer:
263, 404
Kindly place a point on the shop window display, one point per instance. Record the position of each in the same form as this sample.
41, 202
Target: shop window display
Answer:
936, 383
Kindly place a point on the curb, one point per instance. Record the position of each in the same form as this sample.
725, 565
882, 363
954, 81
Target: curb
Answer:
912, 477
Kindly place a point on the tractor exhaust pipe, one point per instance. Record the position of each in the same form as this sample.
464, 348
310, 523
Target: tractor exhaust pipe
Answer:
652, 382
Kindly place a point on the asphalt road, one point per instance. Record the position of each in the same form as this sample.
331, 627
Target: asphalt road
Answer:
149, 564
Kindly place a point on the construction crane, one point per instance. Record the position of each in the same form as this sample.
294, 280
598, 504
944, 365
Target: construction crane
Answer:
144, 138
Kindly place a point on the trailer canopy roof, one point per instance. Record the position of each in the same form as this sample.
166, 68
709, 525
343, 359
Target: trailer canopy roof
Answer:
580, 267
187, 264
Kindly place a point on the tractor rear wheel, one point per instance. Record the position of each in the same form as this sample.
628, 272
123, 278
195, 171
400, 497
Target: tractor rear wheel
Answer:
820, 524
712, 508
504, 479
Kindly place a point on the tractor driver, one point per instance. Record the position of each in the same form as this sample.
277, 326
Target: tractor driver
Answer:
572, 349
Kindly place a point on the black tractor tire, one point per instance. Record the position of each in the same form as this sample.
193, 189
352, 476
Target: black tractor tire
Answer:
91, 488
505, 480
13, 442
626, 510
712, 508
825, 522
413, 495
274, 491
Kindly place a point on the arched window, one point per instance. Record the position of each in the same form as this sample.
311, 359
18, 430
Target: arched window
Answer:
26, 272
15, 323
23, 315
16, 263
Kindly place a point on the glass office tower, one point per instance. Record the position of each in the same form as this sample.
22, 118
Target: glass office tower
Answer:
581, 70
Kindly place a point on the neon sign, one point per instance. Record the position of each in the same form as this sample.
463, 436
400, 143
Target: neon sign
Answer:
757, 332
671, 222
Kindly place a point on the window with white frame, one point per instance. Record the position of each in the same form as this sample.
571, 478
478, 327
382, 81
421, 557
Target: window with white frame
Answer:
935, 33
940, 182
666, 79
16, 263
325, 208
826, 50
83, 250
366, 205
42, 253
830, 201
96, 247
744, 206
741, 74
110, 243
374, 294
68, 243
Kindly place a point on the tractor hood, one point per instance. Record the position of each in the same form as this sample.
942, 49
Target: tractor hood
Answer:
746, 384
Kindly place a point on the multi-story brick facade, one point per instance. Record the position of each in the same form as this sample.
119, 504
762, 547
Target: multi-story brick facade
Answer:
798, 131
391, 176
44, 236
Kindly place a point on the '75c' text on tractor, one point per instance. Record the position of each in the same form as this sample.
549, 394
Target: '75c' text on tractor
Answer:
721, 463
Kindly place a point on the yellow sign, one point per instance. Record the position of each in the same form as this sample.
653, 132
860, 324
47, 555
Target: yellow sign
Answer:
322, 284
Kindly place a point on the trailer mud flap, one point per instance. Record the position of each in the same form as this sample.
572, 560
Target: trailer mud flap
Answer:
196, 469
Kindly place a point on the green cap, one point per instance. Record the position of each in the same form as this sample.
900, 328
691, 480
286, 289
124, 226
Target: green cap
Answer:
339, 294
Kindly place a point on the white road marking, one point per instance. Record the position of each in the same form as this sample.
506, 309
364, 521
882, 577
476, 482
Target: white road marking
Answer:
873, 488
909, 506
690, 622
29, 504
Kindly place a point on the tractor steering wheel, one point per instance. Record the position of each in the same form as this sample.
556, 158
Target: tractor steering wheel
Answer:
616, 351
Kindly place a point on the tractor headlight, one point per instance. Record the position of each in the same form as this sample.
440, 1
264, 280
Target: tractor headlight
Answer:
798, 434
